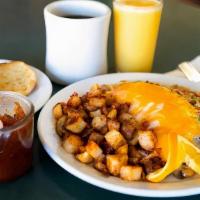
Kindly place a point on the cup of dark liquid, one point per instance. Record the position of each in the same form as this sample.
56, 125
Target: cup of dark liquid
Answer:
76, 39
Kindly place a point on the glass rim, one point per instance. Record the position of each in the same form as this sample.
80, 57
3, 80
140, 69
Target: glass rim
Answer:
30, 112
144, 8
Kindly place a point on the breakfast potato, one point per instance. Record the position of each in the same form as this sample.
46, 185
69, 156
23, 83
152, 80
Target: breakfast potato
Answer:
83, 114
99, 122
100, 167
107, 149
97, 102
74, 100
57, 111
113, 125
152, 165
76, 127
115, 162
147, 140
134, 155
128, 129
96, 137
123, 149
72, 143
93, 149
131, 173
60, 125
84, 157
72, 114
125, 117
96, 113
95, 91
115, 139
112, 114
104, 110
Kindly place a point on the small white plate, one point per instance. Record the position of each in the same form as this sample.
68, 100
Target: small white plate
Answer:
170, 187
43, 90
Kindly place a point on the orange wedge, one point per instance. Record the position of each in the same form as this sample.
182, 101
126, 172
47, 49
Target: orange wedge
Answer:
192, 154
186, 153
170, 165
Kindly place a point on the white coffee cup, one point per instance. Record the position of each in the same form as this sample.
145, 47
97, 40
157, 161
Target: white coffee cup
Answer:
76, 48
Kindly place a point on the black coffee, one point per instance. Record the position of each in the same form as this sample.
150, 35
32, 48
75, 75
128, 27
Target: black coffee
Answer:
77, 16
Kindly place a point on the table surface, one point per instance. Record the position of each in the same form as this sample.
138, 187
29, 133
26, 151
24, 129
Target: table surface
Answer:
22, 37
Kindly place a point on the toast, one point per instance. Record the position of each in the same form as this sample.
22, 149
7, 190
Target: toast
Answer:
18, 77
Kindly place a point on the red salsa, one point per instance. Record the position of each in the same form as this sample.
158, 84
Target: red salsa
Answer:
16, 137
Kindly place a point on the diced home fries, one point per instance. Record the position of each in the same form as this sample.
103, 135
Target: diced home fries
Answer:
100, 131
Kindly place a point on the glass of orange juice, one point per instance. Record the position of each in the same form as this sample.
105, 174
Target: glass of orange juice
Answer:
136, 26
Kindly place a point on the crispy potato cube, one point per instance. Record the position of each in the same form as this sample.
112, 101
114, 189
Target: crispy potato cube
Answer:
97, 102
72, 113
131, 173
115, 162
134, 155
125, 117
100, 167
84, 157
147, 140
81, 149
95, 113
72, 143
93, 149
96, 137
113, 125
123, 149
99, 122
77, 127
110, 99
115, 139
112, 114
95, 91
60, 125
57, 111
128, 129
74, 100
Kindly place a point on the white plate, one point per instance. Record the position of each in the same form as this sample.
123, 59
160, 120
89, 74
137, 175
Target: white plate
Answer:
171, 187
43, 90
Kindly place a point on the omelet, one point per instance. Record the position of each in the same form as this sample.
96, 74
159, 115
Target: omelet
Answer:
173, 119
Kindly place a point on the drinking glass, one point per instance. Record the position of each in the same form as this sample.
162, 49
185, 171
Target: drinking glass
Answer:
136, 26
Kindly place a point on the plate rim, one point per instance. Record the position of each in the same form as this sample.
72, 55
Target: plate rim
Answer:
99, 183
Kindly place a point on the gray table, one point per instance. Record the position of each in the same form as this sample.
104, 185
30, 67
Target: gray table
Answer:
22, 37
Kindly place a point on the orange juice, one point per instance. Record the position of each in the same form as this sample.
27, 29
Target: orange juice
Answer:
136, 26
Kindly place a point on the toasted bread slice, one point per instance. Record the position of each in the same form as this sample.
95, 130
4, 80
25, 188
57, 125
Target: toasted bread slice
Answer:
18, 77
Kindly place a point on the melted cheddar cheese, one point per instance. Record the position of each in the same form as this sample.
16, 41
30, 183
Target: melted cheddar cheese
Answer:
167, 112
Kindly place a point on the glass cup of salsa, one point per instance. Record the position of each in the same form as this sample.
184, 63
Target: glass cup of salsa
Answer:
16, 135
